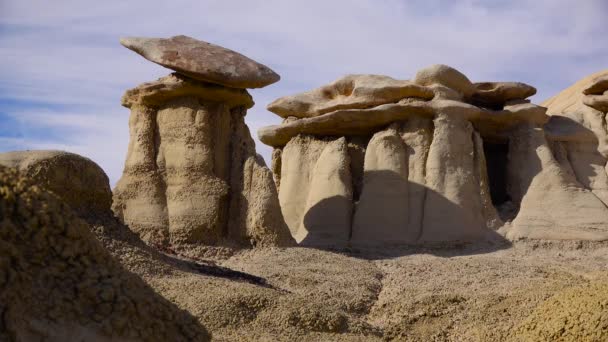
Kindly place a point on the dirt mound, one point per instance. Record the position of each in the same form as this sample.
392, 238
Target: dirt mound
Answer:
57, 283
575, 314
77, 180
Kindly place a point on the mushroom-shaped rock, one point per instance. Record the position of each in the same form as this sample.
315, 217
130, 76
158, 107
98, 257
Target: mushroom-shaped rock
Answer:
192, 174
203, 61
77, 180
496, 94
446, 76
348, 92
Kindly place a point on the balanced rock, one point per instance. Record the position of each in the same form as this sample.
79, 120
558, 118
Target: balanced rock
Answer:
77, 180
451, 167
203, 61
59, 284
348, 92
192, 174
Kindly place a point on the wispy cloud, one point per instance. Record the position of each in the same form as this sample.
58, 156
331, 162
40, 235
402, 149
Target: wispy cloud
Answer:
63, 71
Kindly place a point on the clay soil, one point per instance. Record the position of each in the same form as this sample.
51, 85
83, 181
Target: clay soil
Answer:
451, 293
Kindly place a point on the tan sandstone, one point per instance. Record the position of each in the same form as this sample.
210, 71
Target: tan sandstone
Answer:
192, 174
484, 161
58, 283
348, 92
77, 180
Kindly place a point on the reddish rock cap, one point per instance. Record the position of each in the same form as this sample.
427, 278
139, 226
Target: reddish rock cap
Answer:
203, 61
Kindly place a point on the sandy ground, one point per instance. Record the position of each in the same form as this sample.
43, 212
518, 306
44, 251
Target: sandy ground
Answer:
465, 293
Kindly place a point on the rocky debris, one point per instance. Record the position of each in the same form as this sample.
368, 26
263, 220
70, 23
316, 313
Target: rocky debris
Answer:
574, 314
203, 61
192, 174
59, 284
496, 94
77, 180
446, 179
348, 92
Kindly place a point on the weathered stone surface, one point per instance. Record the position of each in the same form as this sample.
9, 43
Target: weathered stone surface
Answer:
327, 215
316, 191
341, 122
159, 92
348, 92
60, 284
381, 215
597, 85
581, 129
298, 159
488, 211
599, 102
569, 104
203, 61
453, 209
192, 174
446, 76
365, 121
493, 94
555, 206
417, 133
443, 168
77, 180
255, 213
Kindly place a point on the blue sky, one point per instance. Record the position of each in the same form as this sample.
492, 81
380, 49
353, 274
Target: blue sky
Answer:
62, 70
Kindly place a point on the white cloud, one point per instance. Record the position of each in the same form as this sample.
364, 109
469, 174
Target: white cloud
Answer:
66, 53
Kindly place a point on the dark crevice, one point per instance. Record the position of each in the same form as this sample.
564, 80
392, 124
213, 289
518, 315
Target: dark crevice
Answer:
496, 164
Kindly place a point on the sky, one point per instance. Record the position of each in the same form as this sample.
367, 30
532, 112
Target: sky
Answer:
63, 71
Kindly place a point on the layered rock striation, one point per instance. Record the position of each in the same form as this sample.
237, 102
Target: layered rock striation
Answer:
192, 174
436, 159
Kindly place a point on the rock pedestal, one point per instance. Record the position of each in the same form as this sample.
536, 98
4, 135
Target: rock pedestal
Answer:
444, 160
192, 174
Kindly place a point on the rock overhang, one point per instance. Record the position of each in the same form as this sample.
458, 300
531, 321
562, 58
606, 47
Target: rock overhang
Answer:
172, 86
362, 104
203, 61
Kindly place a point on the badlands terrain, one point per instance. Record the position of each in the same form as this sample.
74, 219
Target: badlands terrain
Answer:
435, 209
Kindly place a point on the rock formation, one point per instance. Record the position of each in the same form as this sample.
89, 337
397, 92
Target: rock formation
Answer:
565, 180
57, 283
77, 180
192, 174
432, 160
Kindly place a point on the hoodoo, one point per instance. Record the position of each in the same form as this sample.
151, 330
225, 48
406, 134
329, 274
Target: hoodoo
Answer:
436, 159
192, 174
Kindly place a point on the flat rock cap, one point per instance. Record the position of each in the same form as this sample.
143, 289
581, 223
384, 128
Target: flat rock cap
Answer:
203, 61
